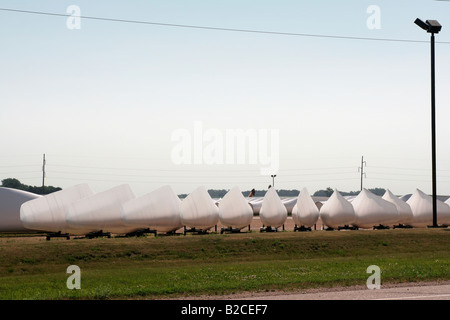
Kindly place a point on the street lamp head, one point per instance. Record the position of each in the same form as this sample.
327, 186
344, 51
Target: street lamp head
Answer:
431, 26
435, 26
421, 24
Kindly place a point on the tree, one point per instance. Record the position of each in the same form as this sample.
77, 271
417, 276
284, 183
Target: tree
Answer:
324, 193
16, 184
12, 183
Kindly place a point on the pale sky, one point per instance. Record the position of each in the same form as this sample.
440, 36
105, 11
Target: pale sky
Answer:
104, 101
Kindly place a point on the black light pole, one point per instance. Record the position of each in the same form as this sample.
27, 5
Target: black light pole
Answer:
432, 26
273, 179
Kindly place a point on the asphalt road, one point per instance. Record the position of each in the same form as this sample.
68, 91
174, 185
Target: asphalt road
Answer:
415, 291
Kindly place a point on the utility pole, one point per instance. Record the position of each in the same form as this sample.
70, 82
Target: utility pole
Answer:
43, 174
361, 169
432, 26
433, 132
273, 179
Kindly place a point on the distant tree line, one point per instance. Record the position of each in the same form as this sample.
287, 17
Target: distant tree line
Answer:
220, 193
328, 192
258, 193
16, 184
214, 193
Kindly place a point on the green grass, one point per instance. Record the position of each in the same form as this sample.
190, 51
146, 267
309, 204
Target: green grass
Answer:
172, 266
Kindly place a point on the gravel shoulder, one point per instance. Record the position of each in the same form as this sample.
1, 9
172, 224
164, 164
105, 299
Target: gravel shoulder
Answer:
438, 289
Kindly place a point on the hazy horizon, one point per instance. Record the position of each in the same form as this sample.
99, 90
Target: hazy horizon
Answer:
151, 104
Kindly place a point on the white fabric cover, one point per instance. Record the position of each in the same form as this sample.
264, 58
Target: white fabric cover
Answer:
255, 203
405, 215
371, 210
158, 210
406, 197
48, 213
101, 211
337, 212
349, 198
11, 201
305, 212
447, 220
198, 210
422, 207
273, 213
234, 210
289, 203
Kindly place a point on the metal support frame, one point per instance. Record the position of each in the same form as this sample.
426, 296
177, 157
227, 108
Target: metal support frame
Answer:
268, 229
230, 230
141, 232
401, 226
98, 234
57, 235
347, 227
195, 230
380, 227
171, 233
301, 228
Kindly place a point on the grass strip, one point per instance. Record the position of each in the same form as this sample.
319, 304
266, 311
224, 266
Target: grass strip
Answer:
170, 267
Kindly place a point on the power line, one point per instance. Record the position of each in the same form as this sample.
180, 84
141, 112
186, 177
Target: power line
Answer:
18, 172
191, 181
398, 168
400, 174
217, 28
201, 169
251, 172
17, 166
196, 176
362, 170
386, 179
